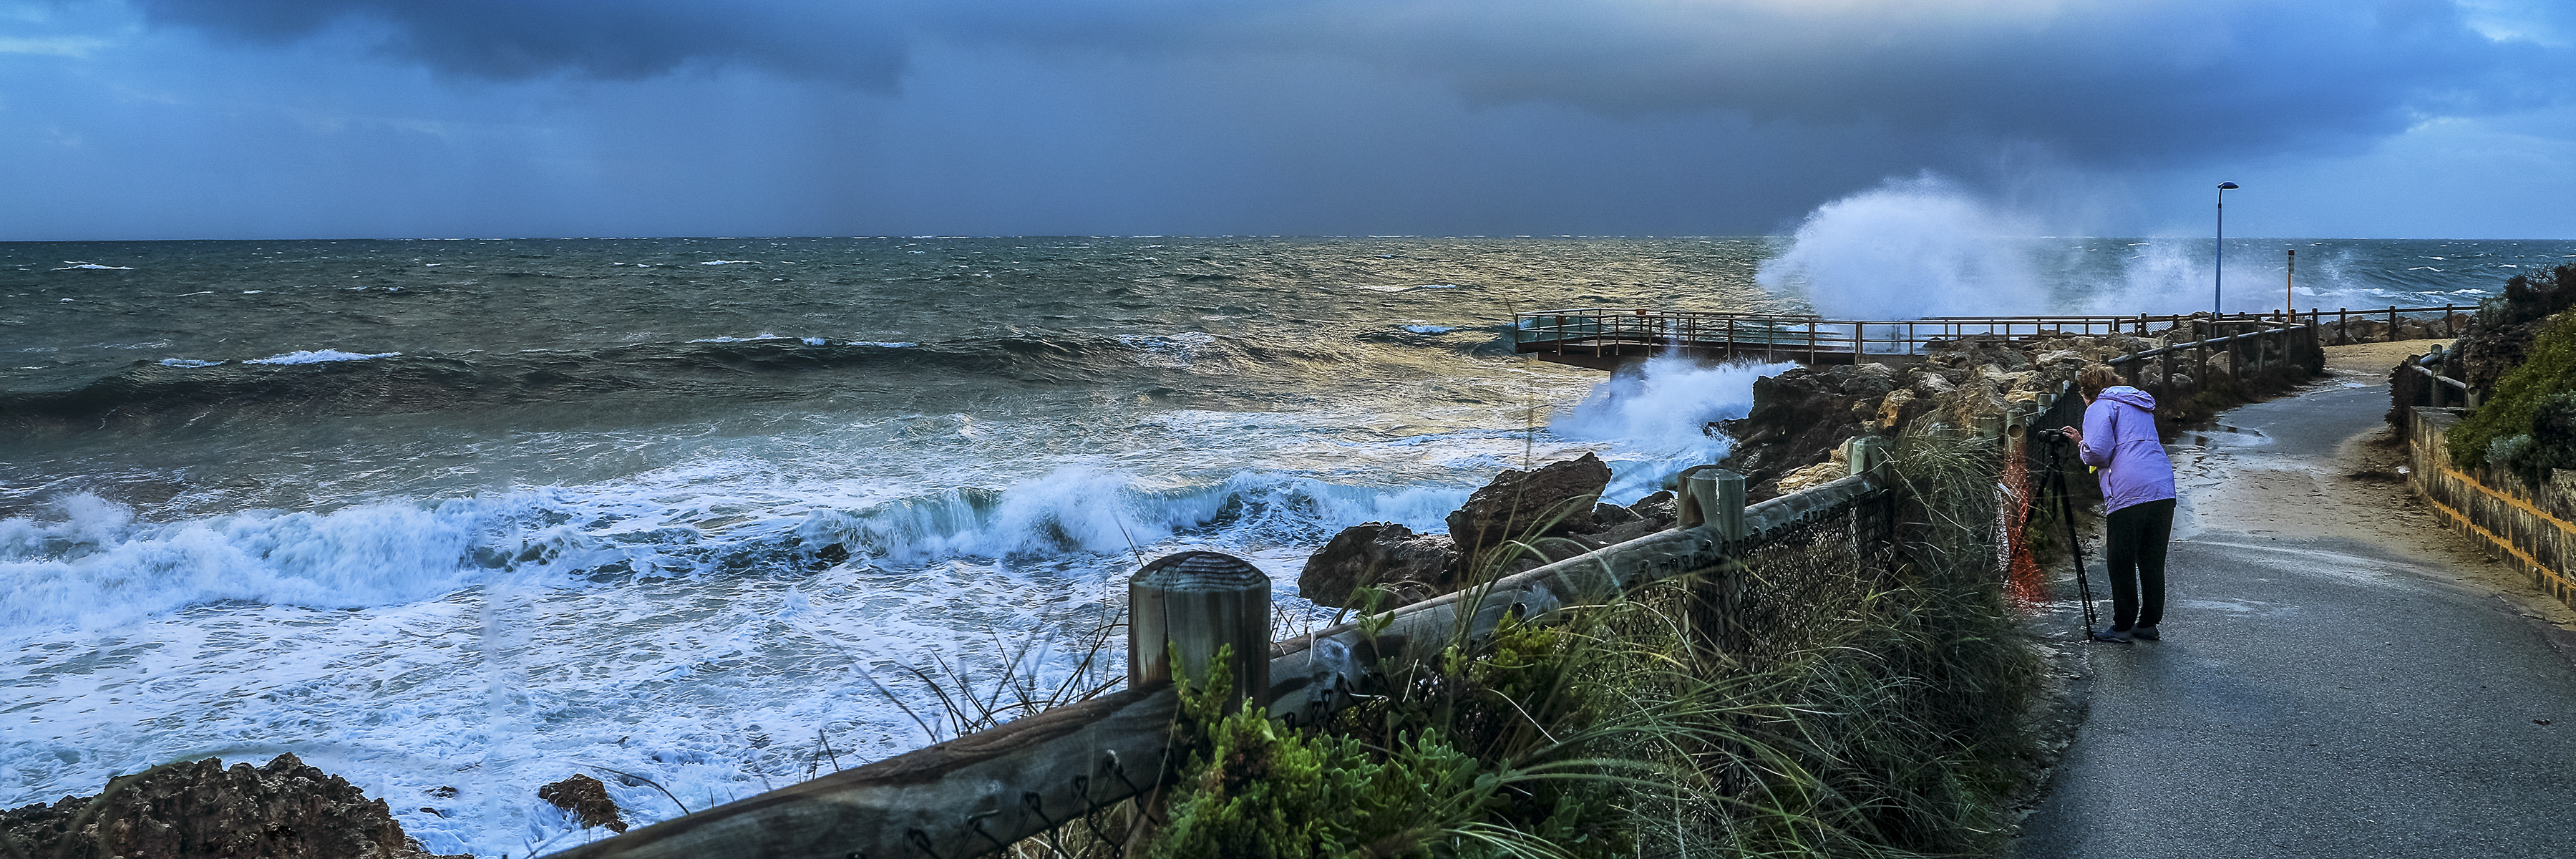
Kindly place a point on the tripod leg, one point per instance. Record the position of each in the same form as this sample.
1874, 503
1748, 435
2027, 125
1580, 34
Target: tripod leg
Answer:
2074, 545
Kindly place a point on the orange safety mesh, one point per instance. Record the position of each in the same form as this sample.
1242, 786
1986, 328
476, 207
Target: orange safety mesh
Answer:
2023, 579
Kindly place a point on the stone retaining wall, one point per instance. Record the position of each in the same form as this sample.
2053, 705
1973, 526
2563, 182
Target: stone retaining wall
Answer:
2532, 527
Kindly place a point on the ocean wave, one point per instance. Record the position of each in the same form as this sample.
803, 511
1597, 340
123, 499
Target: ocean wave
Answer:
88, 564
301, 356
1658, 413
767, 367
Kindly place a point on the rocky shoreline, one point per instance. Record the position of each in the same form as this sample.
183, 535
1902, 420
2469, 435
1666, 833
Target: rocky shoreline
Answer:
1798, 420
1788, 441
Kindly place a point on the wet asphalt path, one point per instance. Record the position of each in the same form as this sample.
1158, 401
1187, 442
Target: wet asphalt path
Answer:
2316, 696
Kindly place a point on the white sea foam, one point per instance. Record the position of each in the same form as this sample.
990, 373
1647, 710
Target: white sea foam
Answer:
814, 341
728, 262
95, 266
187, 362
1169, 350
1421, 327
1657, 414
301, 356
882, 345
94, 567
731, 339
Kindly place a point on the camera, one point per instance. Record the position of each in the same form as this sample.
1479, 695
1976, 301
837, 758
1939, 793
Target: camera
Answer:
2054, 436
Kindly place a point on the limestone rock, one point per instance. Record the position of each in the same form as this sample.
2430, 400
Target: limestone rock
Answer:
1411, 567
286, 809
586, 798
1818, 474
1556, 499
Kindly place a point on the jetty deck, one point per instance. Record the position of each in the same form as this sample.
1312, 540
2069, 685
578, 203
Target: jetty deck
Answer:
1605, 338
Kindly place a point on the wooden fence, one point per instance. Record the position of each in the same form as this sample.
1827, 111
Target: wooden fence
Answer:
981, 792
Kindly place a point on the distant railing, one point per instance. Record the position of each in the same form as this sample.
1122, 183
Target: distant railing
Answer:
1604, 337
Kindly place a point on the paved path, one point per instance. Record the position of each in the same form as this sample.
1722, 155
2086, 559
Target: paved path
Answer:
2321, 691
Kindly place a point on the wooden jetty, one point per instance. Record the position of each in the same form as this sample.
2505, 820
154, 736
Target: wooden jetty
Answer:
1604, 338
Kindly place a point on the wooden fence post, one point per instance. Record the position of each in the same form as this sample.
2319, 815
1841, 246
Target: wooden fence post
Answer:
1863, 454
1194, 603
1714, 498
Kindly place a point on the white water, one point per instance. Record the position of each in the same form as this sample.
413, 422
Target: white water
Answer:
680, 623
1911, 248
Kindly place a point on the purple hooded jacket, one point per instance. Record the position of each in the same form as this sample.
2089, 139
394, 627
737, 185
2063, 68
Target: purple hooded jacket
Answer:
2120, 438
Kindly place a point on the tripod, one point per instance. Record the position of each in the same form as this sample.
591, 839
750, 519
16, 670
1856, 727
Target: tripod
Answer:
2055, 484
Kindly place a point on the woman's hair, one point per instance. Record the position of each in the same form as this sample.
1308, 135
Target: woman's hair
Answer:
2094, 377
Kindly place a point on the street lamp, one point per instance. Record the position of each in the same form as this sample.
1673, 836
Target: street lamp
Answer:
2218, 279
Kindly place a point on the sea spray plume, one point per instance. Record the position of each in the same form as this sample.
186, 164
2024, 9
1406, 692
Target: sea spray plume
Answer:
1658, 413
1910, 248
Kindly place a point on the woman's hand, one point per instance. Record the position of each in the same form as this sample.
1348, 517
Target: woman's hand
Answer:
2072, 434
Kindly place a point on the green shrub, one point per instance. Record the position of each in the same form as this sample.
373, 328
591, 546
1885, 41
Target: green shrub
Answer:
2533, 401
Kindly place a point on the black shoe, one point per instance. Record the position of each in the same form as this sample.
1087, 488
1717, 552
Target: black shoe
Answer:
2114, 636
2146, 633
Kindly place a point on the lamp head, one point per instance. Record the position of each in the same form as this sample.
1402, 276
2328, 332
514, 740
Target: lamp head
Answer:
2226, 186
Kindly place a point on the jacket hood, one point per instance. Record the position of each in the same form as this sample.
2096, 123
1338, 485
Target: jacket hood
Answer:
2129, 396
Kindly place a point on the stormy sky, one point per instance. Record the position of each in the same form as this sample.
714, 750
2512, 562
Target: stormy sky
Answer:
137, 119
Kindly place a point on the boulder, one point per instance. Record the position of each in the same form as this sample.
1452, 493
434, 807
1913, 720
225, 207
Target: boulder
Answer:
285, 809
1410, 567
1658, 510
587, 799
1556, 499
1798, 417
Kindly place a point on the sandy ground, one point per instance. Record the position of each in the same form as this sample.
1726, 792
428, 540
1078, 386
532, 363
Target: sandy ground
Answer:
2359, 493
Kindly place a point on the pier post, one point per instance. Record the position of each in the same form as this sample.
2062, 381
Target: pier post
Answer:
1195, 603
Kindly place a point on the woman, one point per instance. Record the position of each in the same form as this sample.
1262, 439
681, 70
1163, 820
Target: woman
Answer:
2119, 439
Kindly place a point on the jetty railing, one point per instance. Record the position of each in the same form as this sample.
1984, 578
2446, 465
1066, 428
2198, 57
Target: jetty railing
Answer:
982, 792
1604, 337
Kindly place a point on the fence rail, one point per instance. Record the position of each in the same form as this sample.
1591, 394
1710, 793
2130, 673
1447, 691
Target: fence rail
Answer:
981, 792
1604, 337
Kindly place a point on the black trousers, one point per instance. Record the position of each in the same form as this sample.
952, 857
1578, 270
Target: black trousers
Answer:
2137, 557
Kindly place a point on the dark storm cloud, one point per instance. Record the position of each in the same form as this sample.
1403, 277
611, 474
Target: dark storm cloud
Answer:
2099, 82
852, 43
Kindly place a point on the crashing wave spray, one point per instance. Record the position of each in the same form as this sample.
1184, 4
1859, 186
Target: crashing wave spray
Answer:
1907, 249
1658, 414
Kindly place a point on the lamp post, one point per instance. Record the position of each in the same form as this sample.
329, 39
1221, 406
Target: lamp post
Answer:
2218, 279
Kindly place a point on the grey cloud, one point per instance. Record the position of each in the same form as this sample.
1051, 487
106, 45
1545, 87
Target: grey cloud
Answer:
2101, 82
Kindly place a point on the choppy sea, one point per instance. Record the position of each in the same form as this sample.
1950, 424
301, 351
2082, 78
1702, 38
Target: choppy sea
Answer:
454, 519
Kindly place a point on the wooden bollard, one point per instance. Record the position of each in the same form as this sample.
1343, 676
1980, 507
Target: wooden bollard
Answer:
1712, 498
1862, 454
1194, 603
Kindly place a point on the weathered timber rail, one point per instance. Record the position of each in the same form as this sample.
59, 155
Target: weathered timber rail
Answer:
1604, 338
980, 792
